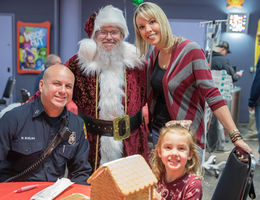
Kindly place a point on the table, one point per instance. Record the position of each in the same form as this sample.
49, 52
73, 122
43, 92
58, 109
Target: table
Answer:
7, 190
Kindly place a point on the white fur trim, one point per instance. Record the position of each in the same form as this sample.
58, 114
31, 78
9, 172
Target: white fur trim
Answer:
110, 149
110, 15
111, 81
131, 56
87, 49
111, 84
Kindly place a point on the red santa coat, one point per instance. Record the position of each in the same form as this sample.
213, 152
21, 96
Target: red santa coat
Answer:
84, 96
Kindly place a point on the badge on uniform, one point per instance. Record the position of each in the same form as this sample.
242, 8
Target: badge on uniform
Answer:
72, 138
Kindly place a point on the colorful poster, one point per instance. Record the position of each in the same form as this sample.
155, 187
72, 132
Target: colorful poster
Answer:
32, 46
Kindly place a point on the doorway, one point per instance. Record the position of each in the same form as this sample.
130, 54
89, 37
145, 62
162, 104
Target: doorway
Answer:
7, 50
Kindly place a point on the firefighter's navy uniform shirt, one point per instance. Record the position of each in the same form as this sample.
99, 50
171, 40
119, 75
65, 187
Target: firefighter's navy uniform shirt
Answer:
26, 131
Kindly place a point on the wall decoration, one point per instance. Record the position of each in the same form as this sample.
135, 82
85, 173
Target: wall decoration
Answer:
237, 22
33, 41
235, 3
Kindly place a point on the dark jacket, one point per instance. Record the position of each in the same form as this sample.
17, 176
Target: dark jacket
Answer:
26, 131
254, 99
220, 62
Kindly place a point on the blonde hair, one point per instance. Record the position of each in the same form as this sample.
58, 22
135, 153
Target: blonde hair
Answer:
150, 10
192, 166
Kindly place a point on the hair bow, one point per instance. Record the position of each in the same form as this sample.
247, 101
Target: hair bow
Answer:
183, 123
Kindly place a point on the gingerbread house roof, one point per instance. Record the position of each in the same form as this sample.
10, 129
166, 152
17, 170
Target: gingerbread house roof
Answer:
130, 174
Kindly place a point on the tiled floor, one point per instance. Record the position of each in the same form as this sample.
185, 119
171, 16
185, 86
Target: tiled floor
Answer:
210, 181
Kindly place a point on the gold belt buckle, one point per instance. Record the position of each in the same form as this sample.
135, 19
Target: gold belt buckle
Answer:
116, 121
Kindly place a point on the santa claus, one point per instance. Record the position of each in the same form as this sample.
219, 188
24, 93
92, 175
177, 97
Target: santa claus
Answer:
110, 86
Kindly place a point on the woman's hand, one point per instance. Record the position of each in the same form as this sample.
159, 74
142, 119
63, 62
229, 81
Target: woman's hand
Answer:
243, 145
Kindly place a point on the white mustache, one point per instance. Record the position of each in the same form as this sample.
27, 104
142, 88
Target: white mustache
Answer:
111, 41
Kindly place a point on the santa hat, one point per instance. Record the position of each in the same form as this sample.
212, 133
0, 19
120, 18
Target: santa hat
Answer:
107, 16
90, 23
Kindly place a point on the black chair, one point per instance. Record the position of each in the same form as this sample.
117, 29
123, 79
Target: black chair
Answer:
236, 180
8, 91
25, 95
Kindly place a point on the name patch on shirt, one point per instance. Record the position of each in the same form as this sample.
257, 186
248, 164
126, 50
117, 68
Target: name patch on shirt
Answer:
27, 138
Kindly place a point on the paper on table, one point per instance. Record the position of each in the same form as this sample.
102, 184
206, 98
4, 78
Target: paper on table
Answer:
52, 191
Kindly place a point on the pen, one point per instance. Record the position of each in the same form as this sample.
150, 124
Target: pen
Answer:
25, 188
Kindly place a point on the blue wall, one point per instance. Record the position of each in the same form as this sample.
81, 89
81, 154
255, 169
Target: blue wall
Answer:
28, 11
242, 46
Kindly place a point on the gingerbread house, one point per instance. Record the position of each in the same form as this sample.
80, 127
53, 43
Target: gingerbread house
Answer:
128, 178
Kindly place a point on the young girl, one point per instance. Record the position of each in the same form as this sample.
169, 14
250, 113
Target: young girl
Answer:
175, 163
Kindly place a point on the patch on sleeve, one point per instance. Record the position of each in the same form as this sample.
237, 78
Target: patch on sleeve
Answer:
72, 138
85, 131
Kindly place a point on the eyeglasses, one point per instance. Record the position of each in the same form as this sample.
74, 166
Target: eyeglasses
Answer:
114, 34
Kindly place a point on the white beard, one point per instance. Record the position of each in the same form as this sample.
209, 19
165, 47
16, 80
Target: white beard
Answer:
126, 53
110, 66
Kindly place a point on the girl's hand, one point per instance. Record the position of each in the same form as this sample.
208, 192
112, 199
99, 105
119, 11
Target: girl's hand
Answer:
156, 195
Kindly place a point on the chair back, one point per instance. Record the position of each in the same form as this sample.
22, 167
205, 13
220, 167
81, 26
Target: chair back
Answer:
25, 95
9, 87
236, 181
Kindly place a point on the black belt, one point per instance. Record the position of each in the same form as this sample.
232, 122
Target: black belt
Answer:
120, 128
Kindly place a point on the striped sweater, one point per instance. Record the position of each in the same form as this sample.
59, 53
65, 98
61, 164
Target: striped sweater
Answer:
187, 85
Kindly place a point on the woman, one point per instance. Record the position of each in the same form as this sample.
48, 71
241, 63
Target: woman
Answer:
179, 79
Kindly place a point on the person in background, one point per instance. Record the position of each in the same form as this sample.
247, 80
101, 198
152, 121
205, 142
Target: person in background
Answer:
254, 99
252, 130
109, 88
51, 59
175, 162
216, 132
251, 127
220, 61
179, 79
27, 130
